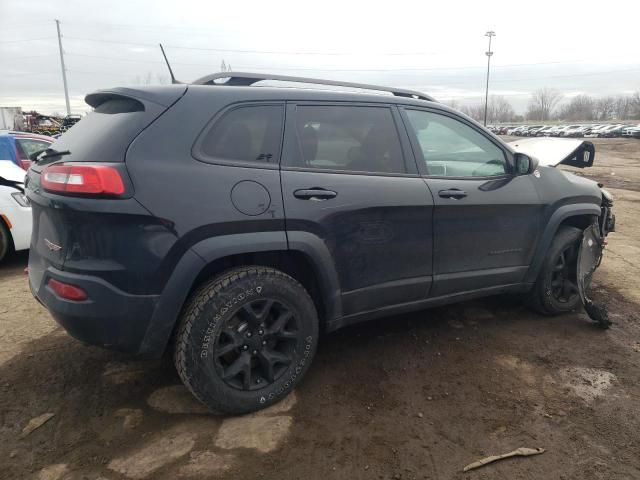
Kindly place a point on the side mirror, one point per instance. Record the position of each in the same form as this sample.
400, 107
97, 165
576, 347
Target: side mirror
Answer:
524, 164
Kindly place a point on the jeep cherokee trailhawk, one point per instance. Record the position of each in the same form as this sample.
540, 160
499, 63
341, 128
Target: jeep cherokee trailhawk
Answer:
233, 222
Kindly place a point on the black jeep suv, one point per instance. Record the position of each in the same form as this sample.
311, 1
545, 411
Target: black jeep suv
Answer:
232, 223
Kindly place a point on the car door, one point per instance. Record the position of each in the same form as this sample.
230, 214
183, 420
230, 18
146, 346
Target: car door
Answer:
351, 188
486, 219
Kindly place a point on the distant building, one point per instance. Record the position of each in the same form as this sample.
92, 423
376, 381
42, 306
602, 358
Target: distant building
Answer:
11, 118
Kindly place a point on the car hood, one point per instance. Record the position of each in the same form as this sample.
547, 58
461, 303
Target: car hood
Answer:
551, 152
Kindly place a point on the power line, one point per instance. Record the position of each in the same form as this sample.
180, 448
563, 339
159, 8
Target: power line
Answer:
32, 74
25, 26
137, 27
272, 52
571, 75
27, 40
26, 57
321, 69
102, 73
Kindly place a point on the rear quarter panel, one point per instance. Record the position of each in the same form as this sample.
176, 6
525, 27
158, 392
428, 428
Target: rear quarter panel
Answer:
192, 197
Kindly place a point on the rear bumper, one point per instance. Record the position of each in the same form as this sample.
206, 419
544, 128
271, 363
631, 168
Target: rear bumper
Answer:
109, 318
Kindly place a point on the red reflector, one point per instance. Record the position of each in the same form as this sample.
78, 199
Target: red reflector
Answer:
66, 291
87, 179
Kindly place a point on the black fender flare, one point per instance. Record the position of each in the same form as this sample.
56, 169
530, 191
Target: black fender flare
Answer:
561, 214
195, 259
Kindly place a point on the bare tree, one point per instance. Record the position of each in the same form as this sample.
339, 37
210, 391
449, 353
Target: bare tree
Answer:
474, 111
581, 107
605, 108
623, 107
148, 79
635, 105
453, 103
500, 110
225, 67
542, 103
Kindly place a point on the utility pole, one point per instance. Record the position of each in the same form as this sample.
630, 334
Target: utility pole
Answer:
489, 34
64, 70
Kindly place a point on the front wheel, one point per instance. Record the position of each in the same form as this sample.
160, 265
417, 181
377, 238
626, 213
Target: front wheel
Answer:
556, 289
246, 338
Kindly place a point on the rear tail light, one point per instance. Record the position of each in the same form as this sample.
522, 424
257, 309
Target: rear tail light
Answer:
67, 291
83, 179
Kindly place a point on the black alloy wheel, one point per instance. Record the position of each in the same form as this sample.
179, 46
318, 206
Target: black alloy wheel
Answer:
564, 283
246, 338
257, 344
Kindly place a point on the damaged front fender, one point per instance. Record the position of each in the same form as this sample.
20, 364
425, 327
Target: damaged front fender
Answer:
589, 258
551, 152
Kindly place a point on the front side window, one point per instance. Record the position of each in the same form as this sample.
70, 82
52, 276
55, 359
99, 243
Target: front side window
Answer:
250, 134
453, 149
348, 138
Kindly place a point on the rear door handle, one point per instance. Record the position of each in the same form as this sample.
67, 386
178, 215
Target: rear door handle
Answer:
452, 193
314, 194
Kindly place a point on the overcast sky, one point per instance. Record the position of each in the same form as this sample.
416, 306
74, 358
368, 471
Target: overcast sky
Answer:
437, 47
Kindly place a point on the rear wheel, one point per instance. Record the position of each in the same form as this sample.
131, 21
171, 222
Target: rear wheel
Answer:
246, 338
556, 289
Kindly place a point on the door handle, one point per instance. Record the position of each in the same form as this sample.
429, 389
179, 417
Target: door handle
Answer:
452, 193
316, 194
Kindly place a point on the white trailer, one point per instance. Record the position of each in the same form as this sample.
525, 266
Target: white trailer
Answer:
11, 118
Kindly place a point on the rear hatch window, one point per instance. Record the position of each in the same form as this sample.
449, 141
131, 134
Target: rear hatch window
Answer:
119, 116
102, 136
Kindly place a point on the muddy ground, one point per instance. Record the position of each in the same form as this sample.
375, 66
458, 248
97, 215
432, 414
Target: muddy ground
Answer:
415, 396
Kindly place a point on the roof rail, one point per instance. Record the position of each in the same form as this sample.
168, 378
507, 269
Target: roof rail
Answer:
246, 79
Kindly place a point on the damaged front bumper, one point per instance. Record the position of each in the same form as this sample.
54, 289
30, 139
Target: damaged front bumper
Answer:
590, 256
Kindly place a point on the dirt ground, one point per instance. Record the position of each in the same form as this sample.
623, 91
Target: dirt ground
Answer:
410, 397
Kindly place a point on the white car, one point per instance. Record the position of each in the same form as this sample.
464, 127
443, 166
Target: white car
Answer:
15, 212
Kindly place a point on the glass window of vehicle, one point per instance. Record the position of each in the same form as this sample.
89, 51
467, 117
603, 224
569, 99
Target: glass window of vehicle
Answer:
251, 134
349, 138
29, 146
453, 149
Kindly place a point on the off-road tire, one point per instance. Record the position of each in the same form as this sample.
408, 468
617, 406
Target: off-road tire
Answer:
6, 242
220, 304
541, 298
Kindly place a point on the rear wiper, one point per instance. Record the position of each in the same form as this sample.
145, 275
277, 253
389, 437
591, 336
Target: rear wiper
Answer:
48, 153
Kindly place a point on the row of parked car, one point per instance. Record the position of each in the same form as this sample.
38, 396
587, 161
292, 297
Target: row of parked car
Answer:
15, 213
608, 130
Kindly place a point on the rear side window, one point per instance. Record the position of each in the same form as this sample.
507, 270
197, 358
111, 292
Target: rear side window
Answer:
349, 138
248, 134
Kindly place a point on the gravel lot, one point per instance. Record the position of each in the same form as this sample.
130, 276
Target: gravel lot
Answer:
413, 396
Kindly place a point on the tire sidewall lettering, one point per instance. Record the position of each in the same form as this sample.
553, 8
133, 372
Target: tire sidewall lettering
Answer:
283, 389
210, 334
